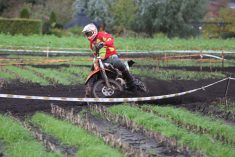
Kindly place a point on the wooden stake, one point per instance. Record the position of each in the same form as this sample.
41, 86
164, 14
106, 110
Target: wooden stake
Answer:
222, 55
200, 61
226, 92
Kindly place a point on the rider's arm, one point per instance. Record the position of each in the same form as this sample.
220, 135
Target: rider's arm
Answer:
108, 40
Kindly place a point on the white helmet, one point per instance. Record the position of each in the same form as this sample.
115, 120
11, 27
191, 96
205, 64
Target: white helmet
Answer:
90, 31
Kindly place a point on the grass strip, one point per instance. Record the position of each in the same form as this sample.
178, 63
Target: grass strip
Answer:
176, 74
60, 77
149, 44
6, 76
27, 75
80, 72
155, 123
185, 63
19, 142
89, 145
87, 60
193, 121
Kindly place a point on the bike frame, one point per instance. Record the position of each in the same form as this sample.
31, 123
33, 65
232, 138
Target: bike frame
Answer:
99, 68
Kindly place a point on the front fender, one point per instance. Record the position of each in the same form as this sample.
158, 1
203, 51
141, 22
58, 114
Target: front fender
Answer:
93, 73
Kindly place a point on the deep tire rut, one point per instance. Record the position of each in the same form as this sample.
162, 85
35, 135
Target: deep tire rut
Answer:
51, 143
137, 141
130, 143
170, 143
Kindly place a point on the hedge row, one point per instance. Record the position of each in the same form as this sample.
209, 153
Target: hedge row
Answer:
20, 26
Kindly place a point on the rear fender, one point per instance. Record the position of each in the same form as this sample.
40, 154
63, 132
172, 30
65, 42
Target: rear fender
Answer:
129, 64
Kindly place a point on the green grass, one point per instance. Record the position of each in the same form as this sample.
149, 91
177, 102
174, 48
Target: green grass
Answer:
19, 142
60, 77
88, 145
81, 73
27, 75
42, 41
76, 75
196, 122
184, 63
148, 44
230, 107
80, 60
6, 76
167, 128
162, 74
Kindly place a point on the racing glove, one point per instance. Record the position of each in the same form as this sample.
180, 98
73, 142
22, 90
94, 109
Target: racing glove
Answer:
99, 45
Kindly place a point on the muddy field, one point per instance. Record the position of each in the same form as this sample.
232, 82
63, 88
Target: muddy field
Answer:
116, 132
156, 87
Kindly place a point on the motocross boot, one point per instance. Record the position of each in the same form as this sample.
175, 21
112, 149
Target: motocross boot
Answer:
130, 81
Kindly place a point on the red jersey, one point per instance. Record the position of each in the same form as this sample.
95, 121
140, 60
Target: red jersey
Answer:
109, 48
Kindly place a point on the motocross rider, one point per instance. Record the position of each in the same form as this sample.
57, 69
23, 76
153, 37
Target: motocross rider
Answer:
105, 43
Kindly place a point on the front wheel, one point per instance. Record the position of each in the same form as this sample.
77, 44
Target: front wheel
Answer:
100, 90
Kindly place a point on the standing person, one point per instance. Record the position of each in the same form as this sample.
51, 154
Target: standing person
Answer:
105, 43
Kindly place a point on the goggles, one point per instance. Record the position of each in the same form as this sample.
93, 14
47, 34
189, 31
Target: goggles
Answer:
88, 34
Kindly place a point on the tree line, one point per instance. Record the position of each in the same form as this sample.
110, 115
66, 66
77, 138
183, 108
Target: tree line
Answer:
171, 17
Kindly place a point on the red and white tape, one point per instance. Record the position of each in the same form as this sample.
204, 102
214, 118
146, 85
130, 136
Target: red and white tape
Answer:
231, 78
150, 98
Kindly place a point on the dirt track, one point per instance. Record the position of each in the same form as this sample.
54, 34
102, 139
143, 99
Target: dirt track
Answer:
156, 87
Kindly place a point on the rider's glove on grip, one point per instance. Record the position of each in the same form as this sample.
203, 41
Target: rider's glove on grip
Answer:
100, 45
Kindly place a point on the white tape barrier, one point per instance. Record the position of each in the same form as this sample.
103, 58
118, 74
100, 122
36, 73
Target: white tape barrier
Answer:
231, 78
44, 51
212, 56
109, 99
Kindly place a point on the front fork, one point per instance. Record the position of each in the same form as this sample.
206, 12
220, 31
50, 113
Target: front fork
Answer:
103, 73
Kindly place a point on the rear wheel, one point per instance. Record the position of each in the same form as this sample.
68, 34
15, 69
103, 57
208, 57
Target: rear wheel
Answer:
100, 90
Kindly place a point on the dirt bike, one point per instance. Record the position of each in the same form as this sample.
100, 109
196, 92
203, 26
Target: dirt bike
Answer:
108, 81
